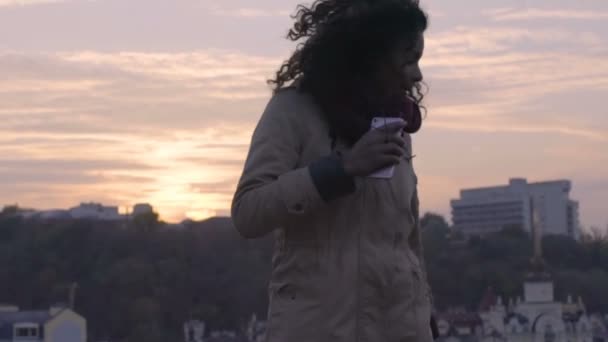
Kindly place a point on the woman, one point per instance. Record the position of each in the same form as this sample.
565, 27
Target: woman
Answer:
348, 261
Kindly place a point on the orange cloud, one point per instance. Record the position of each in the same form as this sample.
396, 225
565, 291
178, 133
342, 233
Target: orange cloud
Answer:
512, 14
184, 120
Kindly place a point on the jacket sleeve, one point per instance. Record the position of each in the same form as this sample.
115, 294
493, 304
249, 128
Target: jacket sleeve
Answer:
415, 241
273, 191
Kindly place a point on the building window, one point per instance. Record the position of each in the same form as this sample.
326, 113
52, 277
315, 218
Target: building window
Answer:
26, 332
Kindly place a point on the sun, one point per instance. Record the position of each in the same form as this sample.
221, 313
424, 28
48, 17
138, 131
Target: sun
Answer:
201, 214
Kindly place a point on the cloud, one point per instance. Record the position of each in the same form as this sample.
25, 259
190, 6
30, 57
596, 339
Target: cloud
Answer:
127, 169
86, 92
484, 79
513, 14
436, 13
493, 126
481, 40
20, 3
204, 161
202, 65
245, 12
184, 119
73, 165
518, 77
92, 112
226, 187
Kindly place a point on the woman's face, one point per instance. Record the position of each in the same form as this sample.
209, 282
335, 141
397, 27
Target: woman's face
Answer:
401, 70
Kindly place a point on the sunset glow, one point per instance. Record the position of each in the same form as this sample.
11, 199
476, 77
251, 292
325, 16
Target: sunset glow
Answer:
161, 110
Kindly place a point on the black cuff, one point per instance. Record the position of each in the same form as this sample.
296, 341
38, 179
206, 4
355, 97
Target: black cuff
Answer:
330, 178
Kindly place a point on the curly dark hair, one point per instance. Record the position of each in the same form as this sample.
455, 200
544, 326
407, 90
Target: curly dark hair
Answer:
344, 41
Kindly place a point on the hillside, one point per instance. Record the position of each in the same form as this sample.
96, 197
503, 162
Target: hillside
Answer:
139, 281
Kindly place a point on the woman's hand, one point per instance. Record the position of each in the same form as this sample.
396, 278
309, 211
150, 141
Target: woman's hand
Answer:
377, 149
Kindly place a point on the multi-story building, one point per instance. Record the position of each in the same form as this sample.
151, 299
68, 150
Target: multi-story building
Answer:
519, 204
95, 211
538, 317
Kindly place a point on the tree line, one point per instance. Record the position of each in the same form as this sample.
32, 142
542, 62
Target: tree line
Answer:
140, 280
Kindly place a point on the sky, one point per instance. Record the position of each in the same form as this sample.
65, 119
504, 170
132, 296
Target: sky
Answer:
129, 101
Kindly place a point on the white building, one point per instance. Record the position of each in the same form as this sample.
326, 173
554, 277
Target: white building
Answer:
194, 331
487, 210
58, 324
539, 317
51, 214
256, 330
95, 211
142, 208
536, 318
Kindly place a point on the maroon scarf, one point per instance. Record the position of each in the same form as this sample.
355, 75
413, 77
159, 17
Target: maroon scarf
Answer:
354, 119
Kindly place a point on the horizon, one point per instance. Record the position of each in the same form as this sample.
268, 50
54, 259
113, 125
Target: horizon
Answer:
128, 209
102, 106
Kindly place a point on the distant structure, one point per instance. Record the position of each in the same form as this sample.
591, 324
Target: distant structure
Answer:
511, 322
256, 329
538, 317
55, 214
488, 210
58, 324
194, 331
95, 211
142, 208
90, 210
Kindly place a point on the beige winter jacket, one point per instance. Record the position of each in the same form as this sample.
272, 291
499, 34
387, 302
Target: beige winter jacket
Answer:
347, 264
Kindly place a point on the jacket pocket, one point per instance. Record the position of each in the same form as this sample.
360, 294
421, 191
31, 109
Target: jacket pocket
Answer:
294, 312
401, 321
294, 295
423, 285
